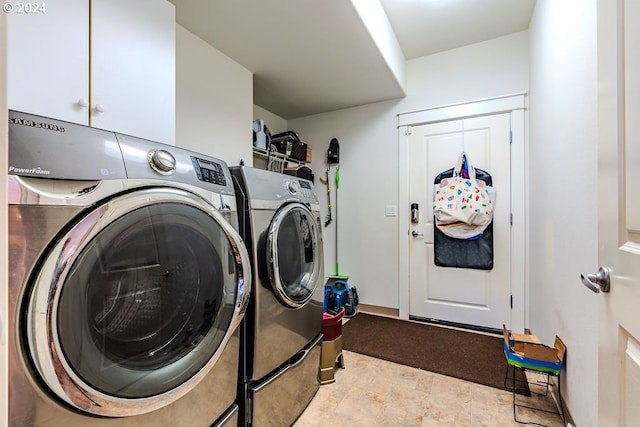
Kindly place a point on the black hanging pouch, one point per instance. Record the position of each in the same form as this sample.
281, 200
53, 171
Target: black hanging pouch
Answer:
452, 252
333, 153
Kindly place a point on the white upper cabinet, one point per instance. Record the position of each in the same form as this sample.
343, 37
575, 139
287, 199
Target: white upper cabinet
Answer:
133, 67
48, 61
104, 63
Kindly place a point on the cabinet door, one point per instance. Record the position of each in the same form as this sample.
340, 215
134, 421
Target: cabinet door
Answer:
133, 68
47, 61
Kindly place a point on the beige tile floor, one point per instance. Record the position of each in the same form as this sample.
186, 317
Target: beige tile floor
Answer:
373, 392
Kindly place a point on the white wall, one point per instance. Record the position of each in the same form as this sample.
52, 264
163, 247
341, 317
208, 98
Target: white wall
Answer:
368, 240
368, 244
563, 141
214, 101
483, 70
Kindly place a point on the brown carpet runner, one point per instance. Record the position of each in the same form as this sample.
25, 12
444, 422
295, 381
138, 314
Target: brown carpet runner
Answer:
466, 355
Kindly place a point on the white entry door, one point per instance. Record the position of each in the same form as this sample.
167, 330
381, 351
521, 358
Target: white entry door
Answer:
619, 212
460, 295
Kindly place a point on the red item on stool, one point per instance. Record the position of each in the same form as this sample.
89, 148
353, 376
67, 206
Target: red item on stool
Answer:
332, 325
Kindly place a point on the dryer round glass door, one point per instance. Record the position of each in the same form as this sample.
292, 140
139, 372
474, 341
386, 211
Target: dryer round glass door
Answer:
294, 254
136, 301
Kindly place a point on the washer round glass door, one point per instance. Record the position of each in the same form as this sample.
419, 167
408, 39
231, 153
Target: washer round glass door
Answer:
134, 304
294, 254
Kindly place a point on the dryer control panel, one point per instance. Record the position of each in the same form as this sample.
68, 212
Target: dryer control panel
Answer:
301, 189
307, 189
268, 186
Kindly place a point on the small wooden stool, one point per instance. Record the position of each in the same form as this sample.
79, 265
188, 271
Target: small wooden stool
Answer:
331, 346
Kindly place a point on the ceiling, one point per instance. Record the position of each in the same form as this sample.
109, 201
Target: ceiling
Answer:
314, 56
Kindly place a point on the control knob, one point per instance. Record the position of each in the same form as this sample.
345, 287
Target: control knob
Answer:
162, 161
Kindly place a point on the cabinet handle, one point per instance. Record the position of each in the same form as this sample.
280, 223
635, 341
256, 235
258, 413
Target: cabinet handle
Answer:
99, 108
83, 103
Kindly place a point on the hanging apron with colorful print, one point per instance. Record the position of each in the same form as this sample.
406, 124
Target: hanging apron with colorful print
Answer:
475, 252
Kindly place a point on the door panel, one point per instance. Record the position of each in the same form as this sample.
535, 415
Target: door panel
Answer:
619, 211
134, 304
474, 297
293, 255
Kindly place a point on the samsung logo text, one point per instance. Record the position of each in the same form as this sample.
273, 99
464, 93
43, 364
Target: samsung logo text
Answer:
34, 124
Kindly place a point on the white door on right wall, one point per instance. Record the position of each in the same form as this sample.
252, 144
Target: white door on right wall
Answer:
619, 212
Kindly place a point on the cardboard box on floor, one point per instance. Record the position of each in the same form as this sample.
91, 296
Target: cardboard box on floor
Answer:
531, 347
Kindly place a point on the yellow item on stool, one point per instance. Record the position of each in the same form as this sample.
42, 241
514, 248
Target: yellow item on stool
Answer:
331, 356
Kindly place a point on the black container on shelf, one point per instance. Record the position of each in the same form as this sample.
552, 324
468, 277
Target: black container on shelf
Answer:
300, 172
298, 151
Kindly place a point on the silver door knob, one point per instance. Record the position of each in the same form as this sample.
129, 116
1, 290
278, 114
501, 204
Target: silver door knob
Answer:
598, 282
415, 233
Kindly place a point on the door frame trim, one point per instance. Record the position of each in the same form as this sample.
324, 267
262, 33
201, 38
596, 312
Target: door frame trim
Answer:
516, 105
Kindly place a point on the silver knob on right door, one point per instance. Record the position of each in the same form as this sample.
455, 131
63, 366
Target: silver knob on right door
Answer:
598, 282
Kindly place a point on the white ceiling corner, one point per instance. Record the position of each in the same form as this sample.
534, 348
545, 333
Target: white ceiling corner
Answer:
310, 56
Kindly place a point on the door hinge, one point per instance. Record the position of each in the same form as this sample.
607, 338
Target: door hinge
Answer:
511, 301
407, 131
510, 137
510, 219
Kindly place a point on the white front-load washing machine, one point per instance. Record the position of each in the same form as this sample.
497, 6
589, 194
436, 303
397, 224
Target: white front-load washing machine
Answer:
128, 280
281, 333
